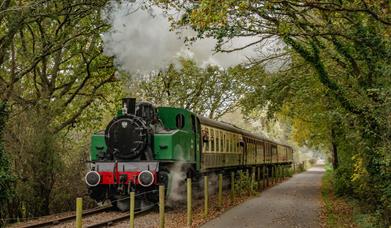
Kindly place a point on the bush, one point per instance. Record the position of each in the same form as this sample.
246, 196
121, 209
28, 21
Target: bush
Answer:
245, 185
342, 181
6, 178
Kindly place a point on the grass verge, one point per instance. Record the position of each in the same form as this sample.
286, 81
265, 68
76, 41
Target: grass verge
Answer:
336, 211
342, 211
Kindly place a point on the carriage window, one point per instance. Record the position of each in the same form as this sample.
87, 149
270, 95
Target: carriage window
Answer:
231, 139
180, 121
230, 142
217, 141
212, 140
206, 143
227, 146
237, 144
224, 143
274, 151
234, 141
221, 142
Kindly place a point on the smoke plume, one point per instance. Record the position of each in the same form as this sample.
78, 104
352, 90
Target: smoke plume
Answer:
141, 41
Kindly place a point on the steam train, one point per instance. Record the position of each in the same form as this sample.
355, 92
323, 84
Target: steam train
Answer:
143, 146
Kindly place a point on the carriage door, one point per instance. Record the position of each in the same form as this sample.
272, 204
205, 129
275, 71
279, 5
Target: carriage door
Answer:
195, 126
245, 151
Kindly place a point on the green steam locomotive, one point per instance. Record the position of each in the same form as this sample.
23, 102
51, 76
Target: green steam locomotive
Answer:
145, 146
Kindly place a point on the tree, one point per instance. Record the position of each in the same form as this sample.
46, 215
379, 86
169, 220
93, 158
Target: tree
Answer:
54, 56
347, 45
209, 91
296, 97
52, 69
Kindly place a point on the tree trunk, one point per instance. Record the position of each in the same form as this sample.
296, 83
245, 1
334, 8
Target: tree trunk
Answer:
334, 148
6, 180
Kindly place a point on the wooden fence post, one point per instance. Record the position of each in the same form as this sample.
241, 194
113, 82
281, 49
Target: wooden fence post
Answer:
252, 179
220, 194
131, 212
263, 178
279, 173
273, 175
240, 179
267, 176
282, 172
285, 171
259, 178
189, 206
79, 212
161, 206
206, 195
291, 171
253, 172
232, 186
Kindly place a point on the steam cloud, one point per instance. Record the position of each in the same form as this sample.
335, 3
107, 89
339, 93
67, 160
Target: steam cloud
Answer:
141, 42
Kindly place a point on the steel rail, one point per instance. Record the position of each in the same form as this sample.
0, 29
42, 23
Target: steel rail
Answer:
123, 217
64, 218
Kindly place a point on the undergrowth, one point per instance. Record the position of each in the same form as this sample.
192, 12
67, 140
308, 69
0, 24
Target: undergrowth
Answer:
342, 211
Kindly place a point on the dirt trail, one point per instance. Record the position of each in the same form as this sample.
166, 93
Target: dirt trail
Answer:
294, 203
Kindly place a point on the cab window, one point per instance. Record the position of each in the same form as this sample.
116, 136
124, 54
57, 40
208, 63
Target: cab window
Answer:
180, 121
193, 123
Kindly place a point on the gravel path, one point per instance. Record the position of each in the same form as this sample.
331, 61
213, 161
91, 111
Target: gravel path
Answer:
293, 203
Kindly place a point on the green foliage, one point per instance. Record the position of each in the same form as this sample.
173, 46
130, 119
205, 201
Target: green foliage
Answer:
49, 167
6, 178
35, 153
335, 204
207, 91
244, 185
54, 58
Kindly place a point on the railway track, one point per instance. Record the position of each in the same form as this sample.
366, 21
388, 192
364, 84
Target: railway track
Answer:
56, 221
123, 217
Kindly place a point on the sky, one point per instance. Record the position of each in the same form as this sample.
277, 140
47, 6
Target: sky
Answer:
141, 41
